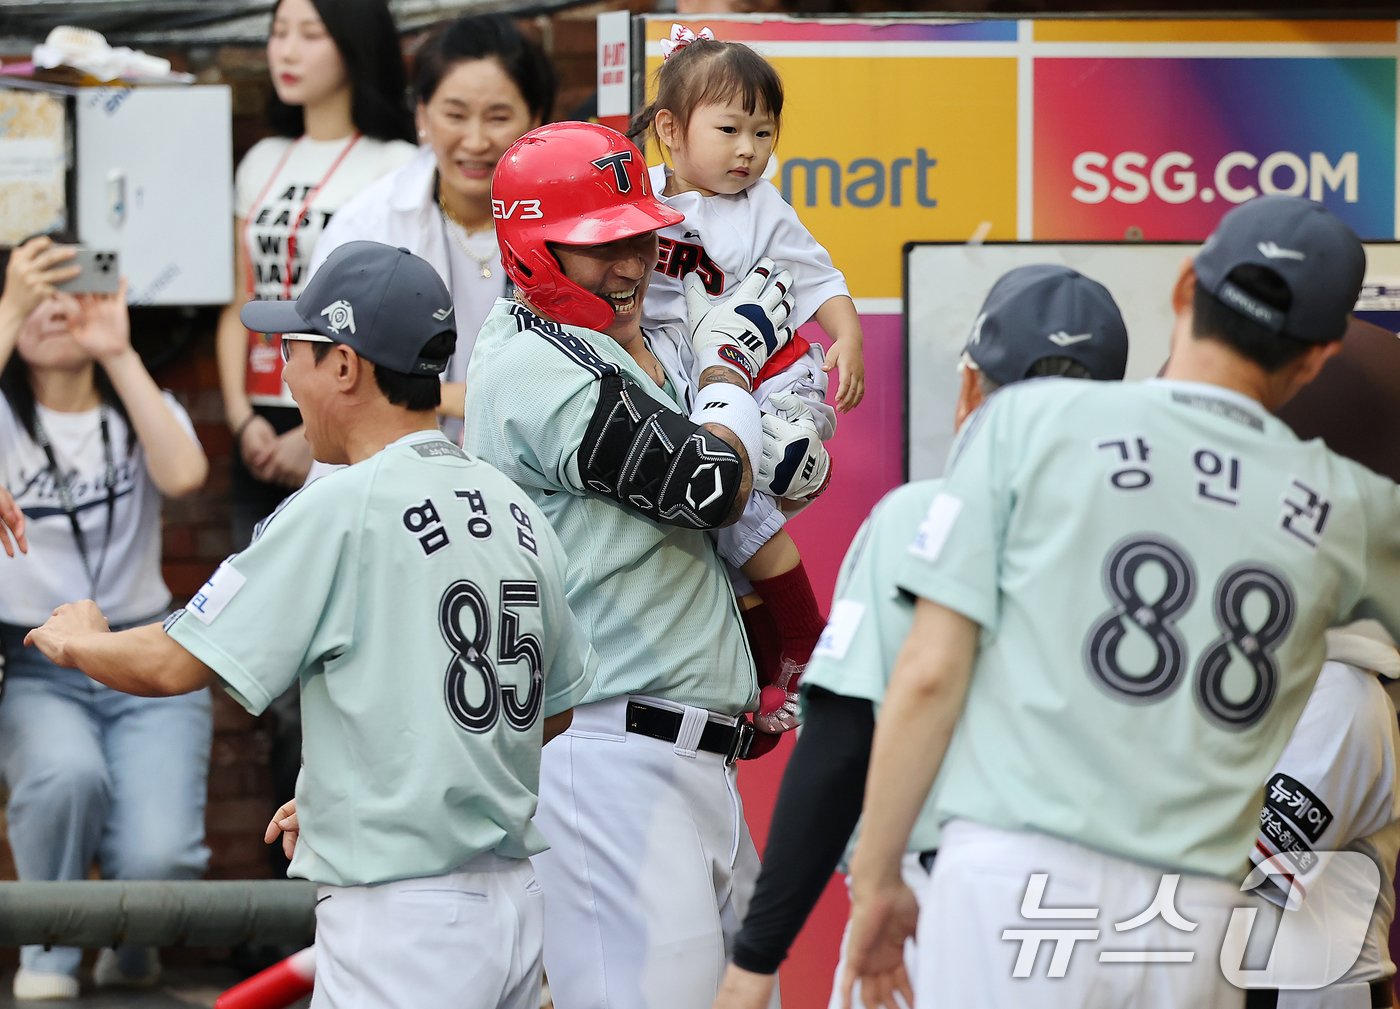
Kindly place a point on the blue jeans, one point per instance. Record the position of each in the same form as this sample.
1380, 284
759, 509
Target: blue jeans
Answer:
95, 773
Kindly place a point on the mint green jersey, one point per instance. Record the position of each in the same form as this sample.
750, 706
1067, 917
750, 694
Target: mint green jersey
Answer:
653, 599
870, 618
417, 597
1153, 566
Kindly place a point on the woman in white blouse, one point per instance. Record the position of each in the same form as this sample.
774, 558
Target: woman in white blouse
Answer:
479, 85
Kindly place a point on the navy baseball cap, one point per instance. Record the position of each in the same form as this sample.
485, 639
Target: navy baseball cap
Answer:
1040, 311
383, 303
1318, 257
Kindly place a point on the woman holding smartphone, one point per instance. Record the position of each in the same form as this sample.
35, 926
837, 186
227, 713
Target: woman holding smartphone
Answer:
88, 446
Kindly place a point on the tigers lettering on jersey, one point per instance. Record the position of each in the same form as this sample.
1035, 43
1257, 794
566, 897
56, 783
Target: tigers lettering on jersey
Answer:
679, 259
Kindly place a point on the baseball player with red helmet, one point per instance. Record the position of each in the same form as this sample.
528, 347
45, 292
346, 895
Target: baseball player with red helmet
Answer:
651, 864
1121, 593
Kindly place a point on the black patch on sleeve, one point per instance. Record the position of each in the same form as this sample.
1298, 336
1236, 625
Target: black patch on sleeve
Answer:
655, 461
1291, 799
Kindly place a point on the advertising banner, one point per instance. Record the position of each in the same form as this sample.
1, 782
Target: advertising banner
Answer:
1159, 148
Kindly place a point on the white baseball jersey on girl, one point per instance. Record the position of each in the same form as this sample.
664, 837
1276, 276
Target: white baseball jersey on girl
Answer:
722, 239
285, 191
131, 587
1334, 789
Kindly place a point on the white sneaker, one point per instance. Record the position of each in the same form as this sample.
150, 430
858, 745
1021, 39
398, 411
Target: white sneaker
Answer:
36, 985
107, 971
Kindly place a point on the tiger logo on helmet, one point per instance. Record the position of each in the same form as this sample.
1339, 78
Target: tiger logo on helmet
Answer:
570, 184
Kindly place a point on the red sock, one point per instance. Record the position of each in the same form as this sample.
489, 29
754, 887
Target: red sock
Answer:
764, 642
790, 600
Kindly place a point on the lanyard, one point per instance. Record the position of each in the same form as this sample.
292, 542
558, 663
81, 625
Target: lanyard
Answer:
305, 206
296, 222
65, 496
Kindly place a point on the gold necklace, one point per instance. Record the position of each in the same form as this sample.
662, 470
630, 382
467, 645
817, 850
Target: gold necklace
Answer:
484, 262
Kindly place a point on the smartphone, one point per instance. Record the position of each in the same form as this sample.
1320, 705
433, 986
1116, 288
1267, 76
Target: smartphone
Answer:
101, 273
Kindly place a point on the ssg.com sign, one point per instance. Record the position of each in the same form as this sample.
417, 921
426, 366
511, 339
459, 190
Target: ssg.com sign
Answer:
1132, 177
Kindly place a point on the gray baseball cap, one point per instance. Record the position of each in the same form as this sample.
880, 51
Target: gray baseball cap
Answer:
1318, 257
1040, 311
383, 303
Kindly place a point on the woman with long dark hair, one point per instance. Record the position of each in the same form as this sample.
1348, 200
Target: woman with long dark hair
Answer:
479, 84
88, 446
340, 113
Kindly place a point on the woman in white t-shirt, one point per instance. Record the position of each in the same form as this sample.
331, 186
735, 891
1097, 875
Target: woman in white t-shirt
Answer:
479, 84
339, 110
88, 445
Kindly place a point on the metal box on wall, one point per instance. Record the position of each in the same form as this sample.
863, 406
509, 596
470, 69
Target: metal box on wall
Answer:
148, 171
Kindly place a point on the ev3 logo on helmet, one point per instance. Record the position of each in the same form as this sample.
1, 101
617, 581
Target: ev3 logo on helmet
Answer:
615, 162
524, 210
339, 315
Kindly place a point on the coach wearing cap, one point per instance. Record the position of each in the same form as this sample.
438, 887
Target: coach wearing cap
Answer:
1120, 598
417, 598
1038, 321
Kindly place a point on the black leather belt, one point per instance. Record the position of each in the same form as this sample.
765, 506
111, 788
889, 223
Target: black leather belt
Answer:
1267, 998
662, 723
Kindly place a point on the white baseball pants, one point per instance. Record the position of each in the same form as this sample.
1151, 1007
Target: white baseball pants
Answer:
976, 892
470, 939
650, 868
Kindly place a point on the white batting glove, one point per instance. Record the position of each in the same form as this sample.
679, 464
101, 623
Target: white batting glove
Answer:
794, 464
747, 328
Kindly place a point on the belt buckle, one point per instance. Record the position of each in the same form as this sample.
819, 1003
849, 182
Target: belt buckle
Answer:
743, 738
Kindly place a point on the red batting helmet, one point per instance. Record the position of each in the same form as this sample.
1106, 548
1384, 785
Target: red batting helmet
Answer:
574, 184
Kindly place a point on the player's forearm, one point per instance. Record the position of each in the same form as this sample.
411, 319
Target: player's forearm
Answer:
921, 709
144, 661
729, 376
816, 812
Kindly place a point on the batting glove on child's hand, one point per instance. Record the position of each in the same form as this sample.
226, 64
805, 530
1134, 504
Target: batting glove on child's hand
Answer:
795, 464
747, 328
778, 709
